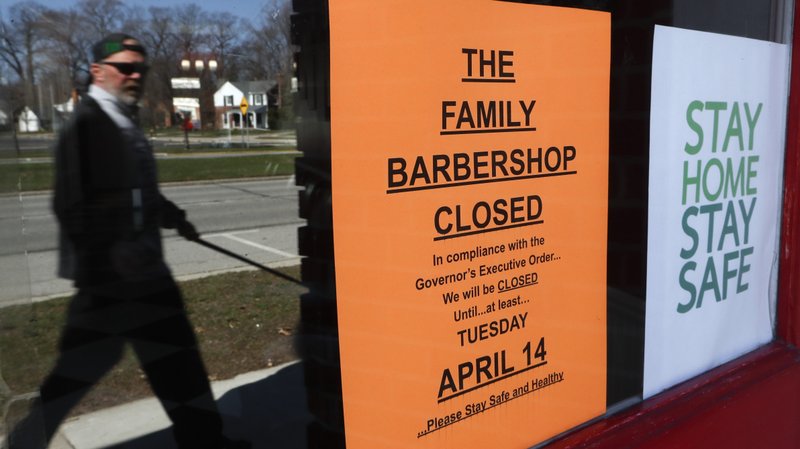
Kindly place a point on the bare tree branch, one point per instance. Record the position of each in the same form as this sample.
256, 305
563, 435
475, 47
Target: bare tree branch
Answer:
54, 44
103, 16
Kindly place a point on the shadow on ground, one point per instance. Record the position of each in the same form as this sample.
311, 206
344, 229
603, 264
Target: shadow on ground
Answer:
271, 413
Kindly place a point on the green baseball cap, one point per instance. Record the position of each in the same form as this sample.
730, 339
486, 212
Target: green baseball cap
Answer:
114, 43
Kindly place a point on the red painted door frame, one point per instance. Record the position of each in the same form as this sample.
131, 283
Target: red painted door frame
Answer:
751, 402
789, 289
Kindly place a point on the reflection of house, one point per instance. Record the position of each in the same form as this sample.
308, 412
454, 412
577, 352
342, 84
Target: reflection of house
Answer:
62, 113
5, 114
186, 100
228, 98
28, 121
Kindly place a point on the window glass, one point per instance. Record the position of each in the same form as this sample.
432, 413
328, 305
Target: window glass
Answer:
15, 273
147, 254
631, 58
262, 206
631, 72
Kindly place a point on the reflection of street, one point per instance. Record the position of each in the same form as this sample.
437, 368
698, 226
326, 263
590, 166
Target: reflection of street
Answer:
43, 142
256, 218
31, 142
14, 281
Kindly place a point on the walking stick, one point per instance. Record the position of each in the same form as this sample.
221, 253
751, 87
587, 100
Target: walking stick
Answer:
222, 250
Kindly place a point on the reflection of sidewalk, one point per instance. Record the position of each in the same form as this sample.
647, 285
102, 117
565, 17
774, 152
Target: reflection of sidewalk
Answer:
267, 407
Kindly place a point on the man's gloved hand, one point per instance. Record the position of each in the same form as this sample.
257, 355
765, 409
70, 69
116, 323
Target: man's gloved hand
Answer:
186, 230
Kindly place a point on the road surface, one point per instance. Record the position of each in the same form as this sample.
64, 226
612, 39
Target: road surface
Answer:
256, 218
43, 142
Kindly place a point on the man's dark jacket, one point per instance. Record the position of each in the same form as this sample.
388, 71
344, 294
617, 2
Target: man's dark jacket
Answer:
107, 202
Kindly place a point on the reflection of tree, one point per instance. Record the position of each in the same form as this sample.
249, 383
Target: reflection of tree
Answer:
103, 16
224, 32
65, 64
191, 22
45, 52
21, 41
267, 53
159, 37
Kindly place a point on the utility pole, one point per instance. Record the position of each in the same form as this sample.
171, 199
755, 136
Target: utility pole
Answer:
243, 106
52, 110
14, 126
41, 105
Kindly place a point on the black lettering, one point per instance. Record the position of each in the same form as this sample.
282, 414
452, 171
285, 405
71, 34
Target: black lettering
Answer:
462, 171
499, 159
506, 63
420, 171
446, 112
440, 165
437, 220
501, 213
480, 224
479, 161
469, 52
397, 167
487, 114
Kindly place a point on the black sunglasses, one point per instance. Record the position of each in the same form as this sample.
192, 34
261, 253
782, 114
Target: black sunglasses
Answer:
128, 68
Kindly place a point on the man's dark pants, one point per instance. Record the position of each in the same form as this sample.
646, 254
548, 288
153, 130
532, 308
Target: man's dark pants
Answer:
151, 317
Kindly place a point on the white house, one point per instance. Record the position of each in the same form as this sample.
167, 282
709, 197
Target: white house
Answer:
228, 98
187, 101
28, 121
62, 113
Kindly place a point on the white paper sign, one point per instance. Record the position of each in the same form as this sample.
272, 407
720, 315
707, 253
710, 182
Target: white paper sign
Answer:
717, 128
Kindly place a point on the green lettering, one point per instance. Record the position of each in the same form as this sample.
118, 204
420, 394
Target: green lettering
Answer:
689, 231
712, 196
729, 226
734, 185
691, 180
751, 174
709, 282
747, 215
688, 286
740, 288
715, 106
689, 148
734, 128
751, 122
710, 210
726, 273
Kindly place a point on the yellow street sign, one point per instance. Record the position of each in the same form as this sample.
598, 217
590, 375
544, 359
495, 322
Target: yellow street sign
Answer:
243, 105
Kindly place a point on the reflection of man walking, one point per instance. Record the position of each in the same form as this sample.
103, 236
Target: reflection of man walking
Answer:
110, 210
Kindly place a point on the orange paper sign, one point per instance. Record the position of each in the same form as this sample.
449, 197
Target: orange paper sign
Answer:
469, 163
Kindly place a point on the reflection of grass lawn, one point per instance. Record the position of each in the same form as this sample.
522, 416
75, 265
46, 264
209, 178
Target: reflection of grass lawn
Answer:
9, 178
178, 170
40, 176
178, 132
172, 150
243, 321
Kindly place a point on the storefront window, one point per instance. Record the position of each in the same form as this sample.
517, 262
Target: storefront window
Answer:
463, 223
630, 121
